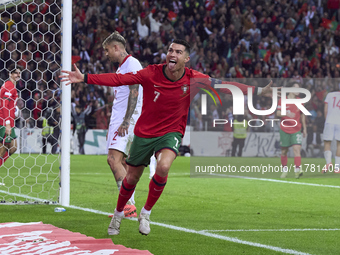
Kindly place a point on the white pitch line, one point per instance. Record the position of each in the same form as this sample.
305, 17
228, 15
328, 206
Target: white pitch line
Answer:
187, 230
179, 173
204, 233
272, 230
110, 174
24, 196
280, 181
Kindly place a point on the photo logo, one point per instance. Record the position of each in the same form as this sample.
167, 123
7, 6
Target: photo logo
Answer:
204, 99
238, 100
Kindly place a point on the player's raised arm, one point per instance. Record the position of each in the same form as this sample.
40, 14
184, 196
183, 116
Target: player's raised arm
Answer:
105, 79
265, 91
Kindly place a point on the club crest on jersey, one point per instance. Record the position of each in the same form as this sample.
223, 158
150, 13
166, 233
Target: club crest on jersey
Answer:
185, 88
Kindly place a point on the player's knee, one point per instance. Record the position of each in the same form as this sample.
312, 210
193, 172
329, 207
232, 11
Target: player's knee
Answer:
111, 161
132, 178
163, 168
297, 153
108, 160
283, 153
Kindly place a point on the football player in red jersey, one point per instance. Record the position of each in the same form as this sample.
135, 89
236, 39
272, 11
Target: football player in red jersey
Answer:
167, 90
290, 133
8, 99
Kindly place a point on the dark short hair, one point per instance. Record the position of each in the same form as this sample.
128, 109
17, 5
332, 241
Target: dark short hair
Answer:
184, 43
115, 37
13, 67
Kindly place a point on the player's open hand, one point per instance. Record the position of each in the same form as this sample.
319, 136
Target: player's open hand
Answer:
72, 76
267, 91
124, 128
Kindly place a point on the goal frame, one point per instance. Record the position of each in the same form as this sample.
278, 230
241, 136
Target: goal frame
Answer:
66, 64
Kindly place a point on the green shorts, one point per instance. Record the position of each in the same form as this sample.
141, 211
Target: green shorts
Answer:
7, 138
287, 140
143, 148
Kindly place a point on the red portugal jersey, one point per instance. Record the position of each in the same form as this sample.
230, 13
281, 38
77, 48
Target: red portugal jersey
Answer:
289, 120
165, 102
8, 99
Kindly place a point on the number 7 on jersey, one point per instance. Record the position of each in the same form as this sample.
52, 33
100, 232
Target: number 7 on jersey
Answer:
157, 95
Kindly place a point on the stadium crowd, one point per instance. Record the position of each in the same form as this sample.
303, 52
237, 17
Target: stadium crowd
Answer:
239, 39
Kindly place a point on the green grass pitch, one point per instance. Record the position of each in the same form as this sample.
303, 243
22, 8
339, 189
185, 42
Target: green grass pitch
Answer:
204, 215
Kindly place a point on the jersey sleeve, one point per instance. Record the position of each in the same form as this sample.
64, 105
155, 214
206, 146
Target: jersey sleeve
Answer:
243, 87
136, 66
208, 82
115, 80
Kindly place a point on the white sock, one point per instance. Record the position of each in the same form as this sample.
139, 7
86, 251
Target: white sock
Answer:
337, 162
132, 198
119, 214
285, 169
152, 165
145, 211
328, 156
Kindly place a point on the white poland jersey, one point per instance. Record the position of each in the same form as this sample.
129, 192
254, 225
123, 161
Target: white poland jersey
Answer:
121, 94
333, 113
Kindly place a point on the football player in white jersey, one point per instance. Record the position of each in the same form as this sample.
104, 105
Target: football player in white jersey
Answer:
332, 130
126, 109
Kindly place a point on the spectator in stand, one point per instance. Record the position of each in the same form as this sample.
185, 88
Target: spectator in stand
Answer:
79, 116
102, 120
142, 28
155, 23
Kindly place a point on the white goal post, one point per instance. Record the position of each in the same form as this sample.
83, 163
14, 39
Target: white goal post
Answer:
66, 104
37, 34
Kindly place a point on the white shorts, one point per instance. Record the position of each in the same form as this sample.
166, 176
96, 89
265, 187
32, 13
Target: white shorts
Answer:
331, 131
119, 143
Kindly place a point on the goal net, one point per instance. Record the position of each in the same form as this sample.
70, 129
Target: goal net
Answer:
30, 34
